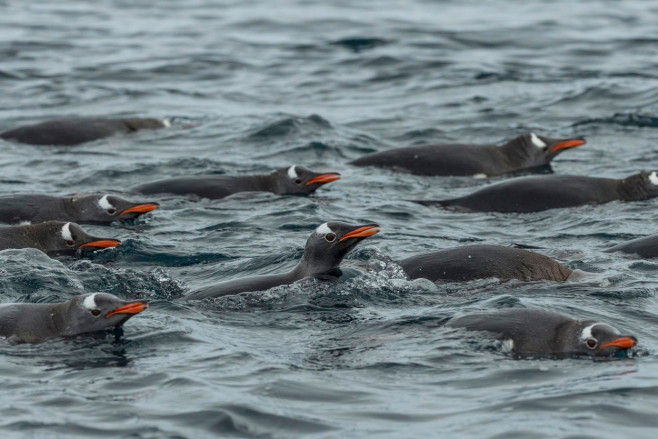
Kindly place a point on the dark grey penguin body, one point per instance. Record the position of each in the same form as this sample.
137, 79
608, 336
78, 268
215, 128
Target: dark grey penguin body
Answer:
292, 180
53, 238
70, 132
482, 262
38, 322
535, 332
646, 247
324, 251
82, 209
525, 153
538, 193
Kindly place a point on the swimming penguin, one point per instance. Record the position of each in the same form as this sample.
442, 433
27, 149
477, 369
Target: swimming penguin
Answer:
543, 192
646, 247
482, 262
292, 180
70, 132
528, 152
534, 332
38, 322
82, 209
53, 238
325, 249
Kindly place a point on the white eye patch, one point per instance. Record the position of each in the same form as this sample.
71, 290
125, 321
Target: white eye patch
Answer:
90, 302
66, 232
653, 178
323, 229
537, 141
292, 173
105, 204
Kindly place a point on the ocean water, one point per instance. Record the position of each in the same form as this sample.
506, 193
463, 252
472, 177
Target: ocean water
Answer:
256, 85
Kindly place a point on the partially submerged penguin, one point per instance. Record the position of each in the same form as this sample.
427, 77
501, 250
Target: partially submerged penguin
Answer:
324, 251
70, 132
53, 238
543, 192
38, 322
292, 180
646, 247
526, 153
530, 332
472, 262
82, 209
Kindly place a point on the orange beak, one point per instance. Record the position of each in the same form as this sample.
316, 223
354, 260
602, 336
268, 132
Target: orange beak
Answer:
141, 208
361, 232
131, 308
572, 143
622, 343
102, 243
324, 178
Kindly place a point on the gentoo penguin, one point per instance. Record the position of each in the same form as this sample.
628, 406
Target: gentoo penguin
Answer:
70, 132
471, 262
325, 249
38, 322
82, 209
528, 152
292, 180
53, 238
535, 332
543, 192
646, 247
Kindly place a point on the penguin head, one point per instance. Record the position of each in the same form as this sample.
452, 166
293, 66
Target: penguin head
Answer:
601, 339
300, 180
60, 238
330, 242
97, 312
104, 209
533, 150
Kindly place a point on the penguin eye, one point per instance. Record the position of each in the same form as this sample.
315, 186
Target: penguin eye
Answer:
70, 243
330, 237
95, 312
298, 181
111, 211
592, 343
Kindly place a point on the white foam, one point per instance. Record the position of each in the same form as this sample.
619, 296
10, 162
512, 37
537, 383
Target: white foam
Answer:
66, 232
480, 176
653, 178
537, 141
292, 173
90, 302
105, 204
323, 229
508, 345
166, 123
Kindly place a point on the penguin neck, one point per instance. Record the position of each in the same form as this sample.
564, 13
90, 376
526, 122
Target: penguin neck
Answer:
56, 319
263, 183
517, 156
306, 268
635, 187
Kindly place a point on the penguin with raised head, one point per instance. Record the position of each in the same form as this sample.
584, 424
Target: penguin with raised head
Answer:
81, 209
38, 322
530, 332
525, 153
53, 238
285, 181
324, 251
71, 132
472, 262
543, 192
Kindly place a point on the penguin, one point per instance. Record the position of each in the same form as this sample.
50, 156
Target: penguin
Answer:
291, 180
38, 322
530, 332
53, 238
324, 251
71, 132
472, 262
525, 153
646, 247
543, 192
81, 209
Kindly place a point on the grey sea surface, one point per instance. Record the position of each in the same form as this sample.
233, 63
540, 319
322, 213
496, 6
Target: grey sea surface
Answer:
254, 85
